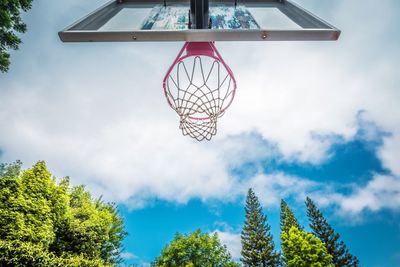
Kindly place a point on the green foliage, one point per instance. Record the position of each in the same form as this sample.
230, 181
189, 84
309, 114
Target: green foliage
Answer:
324, 231
35, 205
53, 222
17, 253
10, 24
257, 243
10, 170
92, 228
111, 247
302, 249
287, 218
11, 219
25, 209
195, 250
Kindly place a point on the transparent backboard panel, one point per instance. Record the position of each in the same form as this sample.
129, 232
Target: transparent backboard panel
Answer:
272, 18
127, 19
252, 20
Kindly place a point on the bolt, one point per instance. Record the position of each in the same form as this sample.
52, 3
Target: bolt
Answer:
264, 35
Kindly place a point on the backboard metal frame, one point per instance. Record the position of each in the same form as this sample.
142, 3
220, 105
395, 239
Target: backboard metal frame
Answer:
313, 27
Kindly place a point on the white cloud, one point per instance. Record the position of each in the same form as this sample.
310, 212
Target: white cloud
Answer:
271, 188
389, 153
298, 89
128, 256
381, 192
232, 241
97, 112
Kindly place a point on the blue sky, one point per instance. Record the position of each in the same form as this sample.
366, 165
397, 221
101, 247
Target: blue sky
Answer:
318, 119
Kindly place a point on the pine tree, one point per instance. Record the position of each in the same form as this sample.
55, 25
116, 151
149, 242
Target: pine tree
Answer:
257, 243
287, 218
324, 231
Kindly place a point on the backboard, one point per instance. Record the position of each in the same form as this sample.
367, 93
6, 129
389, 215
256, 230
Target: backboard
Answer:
220, 20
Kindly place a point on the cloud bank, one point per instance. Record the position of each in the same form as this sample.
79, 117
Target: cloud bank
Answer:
96, 112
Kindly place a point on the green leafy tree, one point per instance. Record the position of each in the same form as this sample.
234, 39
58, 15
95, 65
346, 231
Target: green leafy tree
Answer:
26, 206
36, 203
21, 254
287, 218
257, 242
195, 250
11, 24
92, 228
11, 218
10, 170
111, 248
302, 249
43, 223
324, 231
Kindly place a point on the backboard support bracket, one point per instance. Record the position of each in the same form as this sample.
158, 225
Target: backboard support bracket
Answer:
199, 9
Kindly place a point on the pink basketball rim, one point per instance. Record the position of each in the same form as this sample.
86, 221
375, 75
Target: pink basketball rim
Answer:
194, 49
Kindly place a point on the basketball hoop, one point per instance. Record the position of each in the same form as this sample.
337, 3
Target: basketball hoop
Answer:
199, 86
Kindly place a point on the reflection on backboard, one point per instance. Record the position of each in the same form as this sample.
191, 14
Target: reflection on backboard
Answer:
177, 18
167, 18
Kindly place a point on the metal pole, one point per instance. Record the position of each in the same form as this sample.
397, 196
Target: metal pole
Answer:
206, 6
199, 11
193, 9
199, 14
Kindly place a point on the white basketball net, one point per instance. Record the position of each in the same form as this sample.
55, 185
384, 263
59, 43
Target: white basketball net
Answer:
200, 88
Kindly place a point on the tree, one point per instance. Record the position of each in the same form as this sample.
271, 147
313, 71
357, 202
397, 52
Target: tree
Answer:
257, 242
91, 227
324, 231
287, 218
10, 170
21, 254
10, 24
302, 249
11, 220
26, 206
195, 250
43, 223
111, 248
